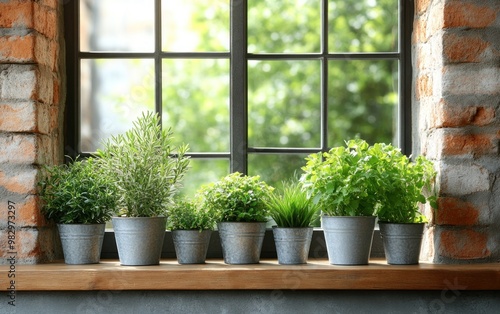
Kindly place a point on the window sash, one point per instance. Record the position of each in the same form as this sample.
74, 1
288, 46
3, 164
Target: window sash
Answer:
239, 57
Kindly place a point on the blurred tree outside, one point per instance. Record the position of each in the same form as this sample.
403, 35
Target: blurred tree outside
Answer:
284, 96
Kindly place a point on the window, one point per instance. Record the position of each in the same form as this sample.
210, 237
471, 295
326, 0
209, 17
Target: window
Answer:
253, 86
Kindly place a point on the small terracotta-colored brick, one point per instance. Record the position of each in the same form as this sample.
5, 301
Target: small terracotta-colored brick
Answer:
446, 115
463, 244
46, 21
419, 31
456, 212
462, 144
468, 79
16, 14
17, 48
463, 48
421, 6
30, 212
20, 180
461, 14
424, 86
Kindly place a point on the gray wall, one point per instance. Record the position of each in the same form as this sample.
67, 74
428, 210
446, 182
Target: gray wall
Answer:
345, 302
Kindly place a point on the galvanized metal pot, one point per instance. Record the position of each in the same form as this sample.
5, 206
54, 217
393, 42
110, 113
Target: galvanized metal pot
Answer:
348, 239
241, 241
191, 246
139, 240
292, 244
81, 243
402, 242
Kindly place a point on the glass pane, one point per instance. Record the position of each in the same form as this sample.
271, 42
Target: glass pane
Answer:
284, 103
363, 25
362, 101
275, 168
196, 102
203, 171
114, 93
117, 25
196, 25
285, 26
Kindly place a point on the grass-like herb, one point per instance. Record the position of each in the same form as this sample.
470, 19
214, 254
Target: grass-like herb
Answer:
290, 207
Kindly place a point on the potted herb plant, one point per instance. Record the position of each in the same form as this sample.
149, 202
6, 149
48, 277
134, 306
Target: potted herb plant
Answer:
405, 186
240, 206
344, 183
191, 226
293, 211
80, 200
147, 170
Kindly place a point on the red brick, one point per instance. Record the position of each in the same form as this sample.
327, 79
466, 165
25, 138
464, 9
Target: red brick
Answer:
27, 212
17, 48
446, 115
16, 14
463, 244
454, 211
46, 21
468, 79
424, 86
24, 117
460, 14
20, 180
462, 144
463, 48
419, 31
421, 6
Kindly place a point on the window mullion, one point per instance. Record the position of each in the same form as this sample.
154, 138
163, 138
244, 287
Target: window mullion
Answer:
158, 60
238, 87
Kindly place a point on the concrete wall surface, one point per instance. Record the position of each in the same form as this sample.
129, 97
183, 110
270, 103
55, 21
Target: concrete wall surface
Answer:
450, 300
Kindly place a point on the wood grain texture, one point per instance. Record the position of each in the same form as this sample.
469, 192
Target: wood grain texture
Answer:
268, 275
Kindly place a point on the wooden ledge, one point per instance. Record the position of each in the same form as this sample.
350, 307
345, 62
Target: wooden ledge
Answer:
268, 275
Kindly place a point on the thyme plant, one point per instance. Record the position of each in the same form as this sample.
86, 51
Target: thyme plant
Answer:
77, 193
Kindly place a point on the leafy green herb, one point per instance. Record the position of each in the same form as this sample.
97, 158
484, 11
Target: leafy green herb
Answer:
77, 193
290, 207
189, 215
145, 166
343, 181
237, 198
405, 185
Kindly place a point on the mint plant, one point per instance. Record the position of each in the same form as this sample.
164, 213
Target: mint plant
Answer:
343, 181
406, 184
237, 198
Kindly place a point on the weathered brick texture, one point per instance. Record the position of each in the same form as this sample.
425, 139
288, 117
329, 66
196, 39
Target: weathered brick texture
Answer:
456, 105
30, 124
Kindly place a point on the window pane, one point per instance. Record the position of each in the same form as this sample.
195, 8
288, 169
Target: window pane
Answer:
196, 25
196, 102
363, 25
114, 93
117, 25
284, 103
362, 101
284, 26
275, 168
203, 171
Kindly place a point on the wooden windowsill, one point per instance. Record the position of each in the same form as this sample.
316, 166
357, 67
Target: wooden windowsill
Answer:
268, 275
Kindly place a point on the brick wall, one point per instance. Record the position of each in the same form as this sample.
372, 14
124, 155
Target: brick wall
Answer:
456, 46
31, 108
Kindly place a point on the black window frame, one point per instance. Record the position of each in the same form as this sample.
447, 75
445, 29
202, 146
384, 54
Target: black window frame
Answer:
239, 57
